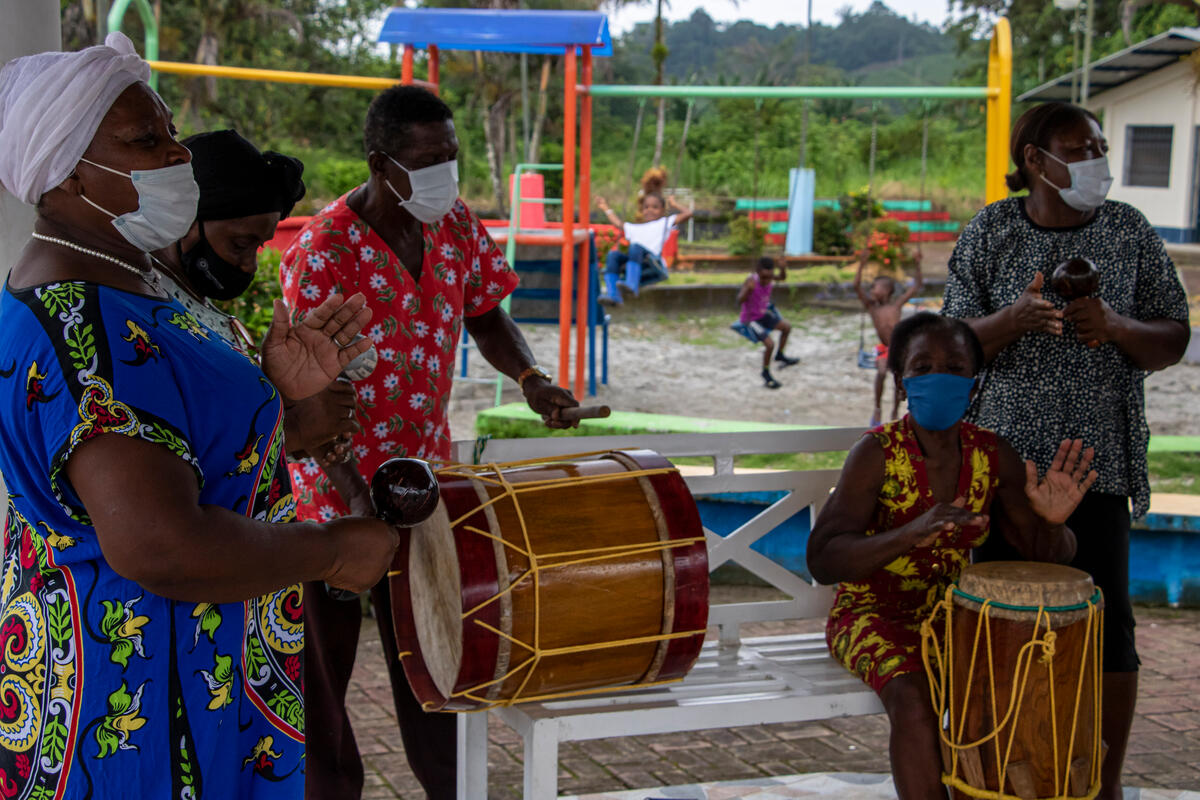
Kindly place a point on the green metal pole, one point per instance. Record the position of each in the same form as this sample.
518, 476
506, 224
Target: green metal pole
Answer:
117, 13
525, 104
786, 92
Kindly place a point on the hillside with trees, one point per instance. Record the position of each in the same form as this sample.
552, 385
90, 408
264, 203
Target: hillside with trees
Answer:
732, 148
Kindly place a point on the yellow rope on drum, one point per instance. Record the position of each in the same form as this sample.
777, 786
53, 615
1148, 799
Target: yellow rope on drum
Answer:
941, 677
538, 563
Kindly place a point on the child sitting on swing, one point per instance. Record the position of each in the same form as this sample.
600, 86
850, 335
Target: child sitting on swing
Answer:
643, 263
912, 500
884, 307
759, 317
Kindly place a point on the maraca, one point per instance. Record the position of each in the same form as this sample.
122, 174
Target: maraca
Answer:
1075, 278
405, 493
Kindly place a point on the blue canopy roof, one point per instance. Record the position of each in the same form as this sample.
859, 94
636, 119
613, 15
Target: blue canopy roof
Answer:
499, 31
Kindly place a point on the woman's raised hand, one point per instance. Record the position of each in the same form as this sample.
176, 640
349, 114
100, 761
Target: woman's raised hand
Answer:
1056, 495
1032, 312
303, 359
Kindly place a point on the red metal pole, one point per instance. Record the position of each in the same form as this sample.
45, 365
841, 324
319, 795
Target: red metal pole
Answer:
585, 200
406, 65
433, 68
568, 221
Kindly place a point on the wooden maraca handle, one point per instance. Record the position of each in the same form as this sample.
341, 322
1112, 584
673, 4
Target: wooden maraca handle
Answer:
575, 413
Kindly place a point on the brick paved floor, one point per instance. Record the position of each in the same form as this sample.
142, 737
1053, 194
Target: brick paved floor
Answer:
1164, 751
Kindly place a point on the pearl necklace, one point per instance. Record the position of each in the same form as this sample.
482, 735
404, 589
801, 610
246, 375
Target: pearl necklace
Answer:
147, 275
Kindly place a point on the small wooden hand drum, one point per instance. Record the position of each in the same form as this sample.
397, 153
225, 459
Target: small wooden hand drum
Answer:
1014, 660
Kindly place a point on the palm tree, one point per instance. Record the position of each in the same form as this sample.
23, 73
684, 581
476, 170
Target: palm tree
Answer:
217, 16
659, 54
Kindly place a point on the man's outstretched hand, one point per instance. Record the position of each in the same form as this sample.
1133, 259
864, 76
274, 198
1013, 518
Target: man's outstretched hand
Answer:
549, 400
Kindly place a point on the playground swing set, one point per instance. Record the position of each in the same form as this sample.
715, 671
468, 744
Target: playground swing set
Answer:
578, 37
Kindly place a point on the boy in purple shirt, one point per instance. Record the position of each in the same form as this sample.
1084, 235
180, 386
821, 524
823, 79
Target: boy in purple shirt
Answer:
759, 317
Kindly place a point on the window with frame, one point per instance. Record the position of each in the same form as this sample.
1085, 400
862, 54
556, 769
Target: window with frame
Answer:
1148, 155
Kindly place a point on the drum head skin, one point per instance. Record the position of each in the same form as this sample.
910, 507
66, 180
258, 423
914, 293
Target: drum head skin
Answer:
434, 576
1027, 583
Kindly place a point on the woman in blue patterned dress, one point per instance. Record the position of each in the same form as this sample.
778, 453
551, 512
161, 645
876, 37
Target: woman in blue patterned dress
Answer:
151, 602
1064, 369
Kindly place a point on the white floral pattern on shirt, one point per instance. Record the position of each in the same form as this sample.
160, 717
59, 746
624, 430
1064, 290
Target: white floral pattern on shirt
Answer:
415, 326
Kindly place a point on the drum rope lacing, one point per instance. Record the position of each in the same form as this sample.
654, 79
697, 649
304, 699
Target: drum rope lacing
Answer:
537, 563
941, 694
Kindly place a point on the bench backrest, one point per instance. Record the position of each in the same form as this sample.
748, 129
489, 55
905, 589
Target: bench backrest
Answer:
805, 488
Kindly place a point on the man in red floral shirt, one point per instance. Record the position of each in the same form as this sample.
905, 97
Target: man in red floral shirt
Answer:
427, 267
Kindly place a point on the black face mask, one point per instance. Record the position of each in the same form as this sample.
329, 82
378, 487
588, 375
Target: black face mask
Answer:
211, 275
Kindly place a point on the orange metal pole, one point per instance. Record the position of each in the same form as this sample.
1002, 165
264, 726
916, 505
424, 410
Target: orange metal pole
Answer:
568, 221
433, 67
406, 65
585, 199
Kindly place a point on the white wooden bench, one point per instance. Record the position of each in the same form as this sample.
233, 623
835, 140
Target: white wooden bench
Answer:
753, 681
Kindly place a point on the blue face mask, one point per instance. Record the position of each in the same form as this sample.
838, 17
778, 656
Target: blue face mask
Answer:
938, 400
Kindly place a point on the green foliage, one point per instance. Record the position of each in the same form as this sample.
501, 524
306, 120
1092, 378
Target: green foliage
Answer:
859, 207
255, 306
734, 147
887, 243
746, 238
830, 234
844, 229
1042, 39
332, 176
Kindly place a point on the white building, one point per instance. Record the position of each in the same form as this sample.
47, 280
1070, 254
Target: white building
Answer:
1148, 100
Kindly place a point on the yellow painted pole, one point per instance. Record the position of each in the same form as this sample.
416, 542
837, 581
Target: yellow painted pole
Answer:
280, 76
999, 111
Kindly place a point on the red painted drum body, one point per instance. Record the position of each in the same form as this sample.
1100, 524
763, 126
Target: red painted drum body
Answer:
548, 578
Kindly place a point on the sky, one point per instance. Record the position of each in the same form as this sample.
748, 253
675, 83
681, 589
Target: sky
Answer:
772, 12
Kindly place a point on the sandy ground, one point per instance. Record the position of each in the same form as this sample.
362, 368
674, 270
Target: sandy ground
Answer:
696, 366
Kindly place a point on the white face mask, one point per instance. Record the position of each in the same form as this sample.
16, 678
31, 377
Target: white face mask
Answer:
434, 190
167, 199
1090, 181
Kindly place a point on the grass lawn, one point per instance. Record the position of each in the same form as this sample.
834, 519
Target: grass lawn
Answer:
821, 273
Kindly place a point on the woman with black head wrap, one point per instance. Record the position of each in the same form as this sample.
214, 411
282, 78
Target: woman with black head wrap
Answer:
244, 194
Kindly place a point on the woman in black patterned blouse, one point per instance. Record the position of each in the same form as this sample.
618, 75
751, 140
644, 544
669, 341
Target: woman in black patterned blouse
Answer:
1059, 369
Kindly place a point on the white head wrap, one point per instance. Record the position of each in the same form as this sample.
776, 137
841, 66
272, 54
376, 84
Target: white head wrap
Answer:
50, 107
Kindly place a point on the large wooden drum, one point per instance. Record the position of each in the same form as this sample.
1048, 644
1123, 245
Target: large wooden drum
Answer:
1015, 674
547, 578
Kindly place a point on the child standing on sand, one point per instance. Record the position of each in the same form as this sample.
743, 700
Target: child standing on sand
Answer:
884, 309
759, 317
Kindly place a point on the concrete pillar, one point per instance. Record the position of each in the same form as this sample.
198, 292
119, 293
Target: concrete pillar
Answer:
31, 26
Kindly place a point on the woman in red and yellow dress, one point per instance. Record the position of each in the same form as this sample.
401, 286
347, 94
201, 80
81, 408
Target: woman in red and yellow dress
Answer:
940, 485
